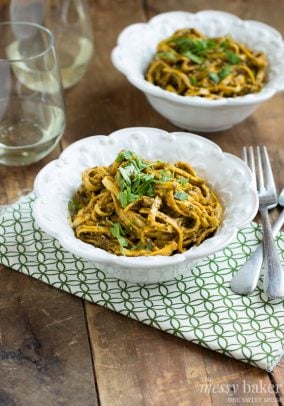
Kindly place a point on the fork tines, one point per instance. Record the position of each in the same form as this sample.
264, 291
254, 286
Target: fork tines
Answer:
261, 168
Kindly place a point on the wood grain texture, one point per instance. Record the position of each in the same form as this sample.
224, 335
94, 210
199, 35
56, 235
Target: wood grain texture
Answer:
149, 367
44, 352
15, 180
138, 365
278, 380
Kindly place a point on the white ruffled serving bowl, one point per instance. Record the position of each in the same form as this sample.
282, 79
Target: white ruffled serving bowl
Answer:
136, 46
230, 178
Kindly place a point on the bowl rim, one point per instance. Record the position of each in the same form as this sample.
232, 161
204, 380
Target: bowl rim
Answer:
150, 89
98, 255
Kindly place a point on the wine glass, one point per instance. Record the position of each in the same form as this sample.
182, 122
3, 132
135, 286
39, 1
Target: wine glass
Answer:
70, 22
32, 115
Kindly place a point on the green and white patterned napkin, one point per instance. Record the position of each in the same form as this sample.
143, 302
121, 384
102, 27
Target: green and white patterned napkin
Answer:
200, 308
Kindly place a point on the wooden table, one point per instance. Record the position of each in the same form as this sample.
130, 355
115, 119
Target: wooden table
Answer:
56, 349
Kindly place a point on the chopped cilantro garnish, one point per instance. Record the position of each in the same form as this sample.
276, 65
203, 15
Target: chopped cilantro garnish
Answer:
233, 58
74, 206
214, 76
165, 176
196, 46
141, 246
183, 181
183, 43
133, 180
225, 44
181, 195
126, 172
124, 156
126, 197
165, 55
194, 49
193, 80
143, 184
224, 72
118, 233
193, 57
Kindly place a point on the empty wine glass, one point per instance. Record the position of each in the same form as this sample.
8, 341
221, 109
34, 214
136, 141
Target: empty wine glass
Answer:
70, 22
32, 117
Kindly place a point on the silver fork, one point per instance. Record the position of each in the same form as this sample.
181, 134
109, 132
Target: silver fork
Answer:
273, 274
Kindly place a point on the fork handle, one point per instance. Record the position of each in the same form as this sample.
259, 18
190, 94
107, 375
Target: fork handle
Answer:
244, 282
273, 284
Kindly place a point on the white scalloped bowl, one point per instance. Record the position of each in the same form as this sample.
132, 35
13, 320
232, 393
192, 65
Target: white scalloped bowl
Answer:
136, 46
231, 179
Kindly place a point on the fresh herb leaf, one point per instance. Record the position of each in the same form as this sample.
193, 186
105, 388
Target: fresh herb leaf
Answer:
196, 46
233, 58
224, 72
165, 55
183, 43
225, 44
123, 198
210, 44
144, 184
126, 197
126, 172
118, 233
132, 179
165, 176
214, 77
124, 156
195, 58
183, 181
181, 195
74, 206
193, 80
141, 246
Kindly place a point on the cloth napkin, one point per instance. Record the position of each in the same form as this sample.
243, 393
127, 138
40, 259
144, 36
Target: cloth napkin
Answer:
200, 308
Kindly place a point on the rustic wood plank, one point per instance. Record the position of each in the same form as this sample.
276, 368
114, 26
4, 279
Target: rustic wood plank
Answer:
147, 366
44, 353
231, 382
14, 180
277, 378
44, 349
138, 365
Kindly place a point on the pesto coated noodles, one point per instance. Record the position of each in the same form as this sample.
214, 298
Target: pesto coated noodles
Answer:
136, 207
190, 64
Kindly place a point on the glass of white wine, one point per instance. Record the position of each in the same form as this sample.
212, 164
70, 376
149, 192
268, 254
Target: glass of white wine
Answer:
70, 22
32, 115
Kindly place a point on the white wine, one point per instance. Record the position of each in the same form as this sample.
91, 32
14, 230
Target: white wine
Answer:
74, 55
28, 131
39, 80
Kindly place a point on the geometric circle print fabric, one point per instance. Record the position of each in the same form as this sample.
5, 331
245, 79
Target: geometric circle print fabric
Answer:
200, 308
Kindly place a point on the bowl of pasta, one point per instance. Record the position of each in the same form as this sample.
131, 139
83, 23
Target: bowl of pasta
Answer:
142, 204
204, 72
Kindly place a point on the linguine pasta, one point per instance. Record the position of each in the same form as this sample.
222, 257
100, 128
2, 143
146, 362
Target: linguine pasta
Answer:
136, 207
190, 64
